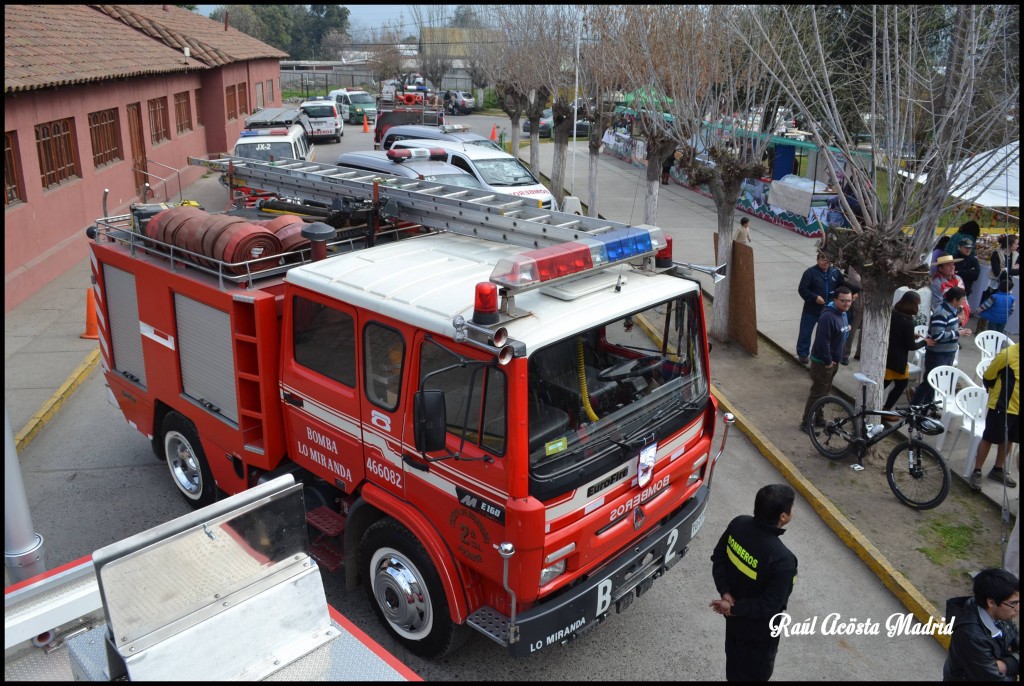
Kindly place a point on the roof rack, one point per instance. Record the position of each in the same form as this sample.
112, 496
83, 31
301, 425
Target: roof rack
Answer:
276, 116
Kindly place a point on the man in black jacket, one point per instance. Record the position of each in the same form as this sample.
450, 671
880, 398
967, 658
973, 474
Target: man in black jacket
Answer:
754, 573
986, 644
968, 268
816, 289
829, 342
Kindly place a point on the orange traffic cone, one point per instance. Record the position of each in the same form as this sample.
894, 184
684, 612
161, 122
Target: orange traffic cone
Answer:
91, 331
366, 125
494, 132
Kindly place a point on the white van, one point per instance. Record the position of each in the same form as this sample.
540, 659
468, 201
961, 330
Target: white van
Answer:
420, 163
353, 103
495, 170
324, 118
275, 134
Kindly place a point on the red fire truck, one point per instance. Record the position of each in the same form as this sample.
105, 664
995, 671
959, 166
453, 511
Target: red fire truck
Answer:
501, 415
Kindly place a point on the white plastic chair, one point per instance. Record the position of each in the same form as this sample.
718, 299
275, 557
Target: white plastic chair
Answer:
991, 342
917, 359
982, 366
973, 405
946, 380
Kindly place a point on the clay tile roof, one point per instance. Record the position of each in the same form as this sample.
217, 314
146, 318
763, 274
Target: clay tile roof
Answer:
53, 45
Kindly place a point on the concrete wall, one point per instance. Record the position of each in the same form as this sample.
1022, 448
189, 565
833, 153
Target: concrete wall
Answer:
45, 234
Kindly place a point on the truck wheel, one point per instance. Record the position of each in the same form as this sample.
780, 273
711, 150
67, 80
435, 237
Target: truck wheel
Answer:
187, 462
405, 590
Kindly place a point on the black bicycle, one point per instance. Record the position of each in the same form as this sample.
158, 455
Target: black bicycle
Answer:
917, 474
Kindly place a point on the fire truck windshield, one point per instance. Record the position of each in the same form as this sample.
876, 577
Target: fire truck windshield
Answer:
595, 393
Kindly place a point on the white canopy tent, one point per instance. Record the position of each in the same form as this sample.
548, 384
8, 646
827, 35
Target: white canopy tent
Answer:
996, 171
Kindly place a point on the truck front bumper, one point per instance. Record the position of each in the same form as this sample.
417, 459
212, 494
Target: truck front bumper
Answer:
614, 586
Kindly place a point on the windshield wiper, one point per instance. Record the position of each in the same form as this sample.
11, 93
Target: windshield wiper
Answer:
676, 405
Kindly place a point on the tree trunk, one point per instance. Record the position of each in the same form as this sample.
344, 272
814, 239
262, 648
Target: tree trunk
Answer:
876, 295
560, 139
720, 306
535, 147
651, 196
514, 137
592, 166
725, 194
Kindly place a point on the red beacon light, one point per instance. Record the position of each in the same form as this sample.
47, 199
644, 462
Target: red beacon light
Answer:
663, 258
485, 304
403, 154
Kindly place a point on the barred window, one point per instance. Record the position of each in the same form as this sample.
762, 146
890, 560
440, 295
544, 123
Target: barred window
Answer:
58, 154
105, 134
199, 106
229, 93
243, 98
15, 188
259, 95
182, 112
159, 127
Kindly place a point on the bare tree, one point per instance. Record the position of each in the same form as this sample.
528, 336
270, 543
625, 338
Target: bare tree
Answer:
601, 78
915, 77
522, 56
437, 43
333, 44
693, 85
385, 56
560, 36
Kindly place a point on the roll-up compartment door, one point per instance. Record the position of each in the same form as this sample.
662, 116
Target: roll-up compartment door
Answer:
207, 363
122, 303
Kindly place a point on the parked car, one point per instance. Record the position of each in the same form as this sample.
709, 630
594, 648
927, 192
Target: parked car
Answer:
446, 132
544, 128
495, 170
422, 163
354, 104
462, 102
324, 118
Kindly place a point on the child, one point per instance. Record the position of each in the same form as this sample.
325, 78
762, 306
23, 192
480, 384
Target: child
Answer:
743, 235
998, 308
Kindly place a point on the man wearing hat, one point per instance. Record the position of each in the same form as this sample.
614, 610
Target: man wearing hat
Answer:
968, 268
946, 278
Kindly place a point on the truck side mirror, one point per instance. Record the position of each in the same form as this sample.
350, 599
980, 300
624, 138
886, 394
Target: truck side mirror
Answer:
429, 420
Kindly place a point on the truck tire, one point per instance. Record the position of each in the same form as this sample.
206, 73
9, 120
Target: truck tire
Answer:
405, 591
187, 462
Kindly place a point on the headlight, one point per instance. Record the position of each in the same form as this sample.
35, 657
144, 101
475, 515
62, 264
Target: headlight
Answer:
549, 574
359, 110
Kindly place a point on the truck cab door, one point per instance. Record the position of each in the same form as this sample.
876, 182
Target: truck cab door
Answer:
320, 388
384, 377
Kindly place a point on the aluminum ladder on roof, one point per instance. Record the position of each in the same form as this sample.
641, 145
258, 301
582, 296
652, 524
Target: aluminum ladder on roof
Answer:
467, 211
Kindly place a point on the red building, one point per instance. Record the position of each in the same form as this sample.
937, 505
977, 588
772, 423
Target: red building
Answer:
112, 97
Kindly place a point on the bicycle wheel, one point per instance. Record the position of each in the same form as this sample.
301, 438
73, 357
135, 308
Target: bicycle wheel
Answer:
833, 427
918, 475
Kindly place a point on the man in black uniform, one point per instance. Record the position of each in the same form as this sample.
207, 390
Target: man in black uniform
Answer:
754, 573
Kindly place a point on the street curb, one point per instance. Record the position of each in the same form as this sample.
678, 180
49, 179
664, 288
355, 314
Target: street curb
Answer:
900, 586
55, 401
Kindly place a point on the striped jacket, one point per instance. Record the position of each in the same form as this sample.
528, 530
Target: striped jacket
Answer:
944, 329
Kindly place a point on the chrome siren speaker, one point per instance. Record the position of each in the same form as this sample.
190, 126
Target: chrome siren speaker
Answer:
717, 273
